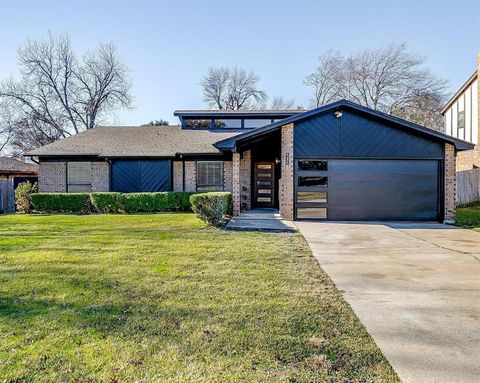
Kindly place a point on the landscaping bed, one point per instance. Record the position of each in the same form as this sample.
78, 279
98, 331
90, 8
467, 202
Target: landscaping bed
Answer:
469, 216
123, 298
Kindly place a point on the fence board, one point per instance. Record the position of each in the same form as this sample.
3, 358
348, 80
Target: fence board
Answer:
7, 198
468, 186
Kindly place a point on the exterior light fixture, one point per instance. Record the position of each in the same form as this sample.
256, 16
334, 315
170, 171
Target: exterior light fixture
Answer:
338, 114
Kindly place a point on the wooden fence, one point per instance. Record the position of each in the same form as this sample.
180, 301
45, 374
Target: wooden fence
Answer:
468, 186
7, 198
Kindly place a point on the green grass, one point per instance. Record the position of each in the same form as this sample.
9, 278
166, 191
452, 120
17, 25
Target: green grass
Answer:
162, 298
469, 216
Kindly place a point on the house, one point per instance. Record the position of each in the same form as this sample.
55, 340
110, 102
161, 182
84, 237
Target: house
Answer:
17, 170
341, 161
462, 119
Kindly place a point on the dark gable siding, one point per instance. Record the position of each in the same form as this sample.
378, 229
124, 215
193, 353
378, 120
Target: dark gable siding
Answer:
356, 136
141, 176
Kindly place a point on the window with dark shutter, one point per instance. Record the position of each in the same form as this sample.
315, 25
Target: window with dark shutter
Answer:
79, 176
209, 175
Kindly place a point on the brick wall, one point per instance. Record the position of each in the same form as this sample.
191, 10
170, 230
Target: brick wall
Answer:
190, 176
52, 177
286, 180
236, 200
100, 176
246, 180
177, 176
450, 183
227, 176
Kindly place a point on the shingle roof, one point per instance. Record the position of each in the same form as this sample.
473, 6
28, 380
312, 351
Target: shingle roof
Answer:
12, 165
135, 141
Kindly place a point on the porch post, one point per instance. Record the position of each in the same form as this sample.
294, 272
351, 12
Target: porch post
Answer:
236, 183
286, 181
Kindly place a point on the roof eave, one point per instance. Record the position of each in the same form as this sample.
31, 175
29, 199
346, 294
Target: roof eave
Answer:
459, 92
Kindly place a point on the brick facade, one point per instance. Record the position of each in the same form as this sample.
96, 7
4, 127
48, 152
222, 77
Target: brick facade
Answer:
286, 180
177, 175
100, 176
190, 176
236, 200
52, 177
227, 176
246, 180
450, 183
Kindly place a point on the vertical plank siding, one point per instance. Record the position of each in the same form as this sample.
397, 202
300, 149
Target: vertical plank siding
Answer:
7, 198
468, 186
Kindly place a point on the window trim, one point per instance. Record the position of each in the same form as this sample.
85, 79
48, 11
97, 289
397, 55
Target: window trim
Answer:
221, 184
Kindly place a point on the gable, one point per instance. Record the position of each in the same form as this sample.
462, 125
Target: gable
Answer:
358, 135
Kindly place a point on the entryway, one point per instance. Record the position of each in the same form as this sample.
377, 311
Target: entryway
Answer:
261, 220
264, 184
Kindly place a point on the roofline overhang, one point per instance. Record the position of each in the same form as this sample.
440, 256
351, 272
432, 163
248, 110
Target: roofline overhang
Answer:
253, 114
458, 93
232, 143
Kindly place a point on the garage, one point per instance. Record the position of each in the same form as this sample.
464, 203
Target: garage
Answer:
346, 189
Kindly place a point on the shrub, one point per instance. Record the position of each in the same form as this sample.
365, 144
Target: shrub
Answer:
108, 202
61, 202
157, 202
212, 207
22, 196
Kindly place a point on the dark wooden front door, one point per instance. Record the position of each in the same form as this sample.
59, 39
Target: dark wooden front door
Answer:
264, 184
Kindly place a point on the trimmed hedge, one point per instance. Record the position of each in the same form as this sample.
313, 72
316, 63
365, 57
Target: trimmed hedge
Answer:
61, 202
212, 207
111, 202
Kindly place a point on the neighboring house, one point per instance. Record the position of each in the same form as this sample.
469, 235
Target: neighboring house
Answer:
341, 161
462, 119
17, 170
12, 172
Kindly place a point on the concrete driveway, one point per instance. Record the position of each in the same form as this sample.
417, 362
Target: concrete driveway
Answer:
415, 287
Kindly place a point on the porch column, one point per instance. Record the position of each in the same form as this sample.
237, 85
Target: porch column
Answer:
450, 184
236, 183
286, 180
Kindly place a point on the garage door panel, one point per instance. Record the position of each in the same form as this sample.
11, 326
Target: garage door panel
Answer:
380, 190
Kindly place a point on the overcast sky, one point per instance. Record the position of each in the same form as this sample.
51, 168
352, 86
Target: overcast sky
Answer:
169, 45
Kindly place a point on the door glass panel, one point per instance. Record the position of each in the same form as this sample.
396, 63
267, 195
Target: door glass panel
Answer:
264, 199
312, 212
264, 183
264, 166
312, 181
320, 197
320, 165
264, 175
264, 191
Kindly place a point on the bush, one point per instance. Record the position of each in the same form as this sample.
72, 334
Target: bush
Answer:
112, 202
61, 202
108, 202
212, 207
22, 196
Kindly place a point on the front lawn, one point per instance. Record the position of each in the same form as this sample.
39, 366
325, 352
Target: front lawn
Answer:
469, 216
162, 298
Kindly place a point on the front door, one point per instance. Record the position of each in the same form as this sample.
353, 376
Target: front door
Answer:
264, 185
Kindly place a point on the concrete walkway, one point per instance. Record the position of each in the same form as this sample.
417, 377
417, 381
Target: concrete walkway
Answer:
416, 288
260, 219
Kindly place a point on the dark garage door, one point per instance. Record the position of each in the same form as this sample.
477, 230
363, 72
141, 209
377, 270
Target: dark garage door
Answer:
367, 190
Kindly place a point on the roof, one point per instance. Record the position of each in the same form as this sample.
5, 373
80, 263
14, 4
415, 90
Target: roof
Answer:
231, 143
15, 166
272, 113
135, 141
459, 92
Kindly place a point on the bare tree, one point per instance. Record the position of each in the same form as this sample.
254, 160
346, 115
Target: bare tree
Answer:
280, 103
391, 79
58, 95
231, 88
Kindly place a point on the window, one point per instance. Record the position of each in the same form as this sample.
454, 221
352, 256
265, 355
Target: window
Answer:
312, 213
209, 176
319, 165
312, 197
461, 119
229, 124
79, 177
205, 124
312, 181
256, 123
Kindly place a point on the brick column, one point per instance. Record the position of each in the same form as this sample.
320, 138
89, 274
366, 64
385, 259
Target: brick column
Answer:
236, 201
100, 176
246, 180
286, 181
190, 176
177, 176
450, 183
